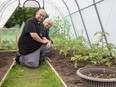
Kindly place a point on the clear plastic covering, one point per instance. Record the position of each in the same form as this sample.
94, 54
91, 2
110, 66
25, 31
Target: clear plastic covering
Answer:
7, 7
86, 17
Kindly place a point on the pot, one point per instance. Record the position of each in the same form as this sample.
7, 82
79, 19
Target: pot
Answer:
88, 81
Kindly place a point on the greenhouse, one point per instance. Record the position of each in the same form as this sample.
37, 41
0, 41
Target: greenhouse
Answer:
82, 33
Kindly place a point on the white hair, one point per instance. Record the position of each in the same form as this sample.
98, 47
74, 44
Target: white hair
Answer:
48, 20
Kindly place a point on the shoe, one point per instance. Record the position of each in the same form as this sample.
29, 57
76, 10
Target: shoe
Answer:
17, 58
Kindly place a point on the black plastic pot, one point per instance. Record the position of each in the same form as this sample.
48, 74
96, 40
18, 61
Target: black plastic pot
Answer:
96, 82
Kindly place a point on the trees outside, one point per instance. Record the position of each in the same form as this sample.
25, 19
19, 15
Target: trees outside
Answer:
20, 15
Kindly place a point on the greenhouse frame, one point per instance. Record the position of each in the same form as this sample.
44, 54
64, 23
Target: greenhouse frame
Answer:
85, 16
83, 35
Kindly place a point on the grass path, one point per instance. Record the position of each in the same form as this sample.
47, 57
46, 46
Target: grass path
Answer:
21, 76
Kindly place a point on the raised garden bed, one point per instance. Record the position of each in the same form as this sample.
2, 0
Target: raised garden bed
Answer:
6, 60
63, 65
65, 68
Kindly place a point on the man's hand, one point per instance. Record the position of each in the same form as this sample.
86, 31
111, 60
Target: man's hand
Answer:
45, 41
48, 45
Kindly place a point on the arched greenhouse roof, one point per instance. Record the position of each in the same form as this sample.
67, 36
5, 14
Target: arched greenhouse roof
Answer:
86, 17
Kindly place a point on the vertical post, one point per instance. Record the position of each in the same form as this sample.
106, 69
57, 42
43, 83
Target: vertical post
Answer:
19, 2
43, 4
100, 20
83, 22
17, 37
0, 38
70, 18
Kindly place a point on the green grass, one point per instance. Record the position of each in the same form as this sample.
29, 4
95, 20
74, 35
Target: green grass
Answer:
21, 76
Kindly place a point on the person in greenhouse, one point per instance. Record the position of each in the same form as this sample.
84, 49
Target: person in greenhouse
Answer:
34, 43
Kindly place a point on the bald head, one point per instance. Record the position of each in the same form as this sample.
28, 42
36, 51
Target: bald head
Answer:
40, 15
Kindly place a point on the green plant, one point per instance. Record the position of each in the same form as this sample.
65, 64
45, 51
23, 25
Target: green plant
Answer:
60, 28
8, 39
6, 44
60, 35
80, 50
76, 46
66, 47
100, 53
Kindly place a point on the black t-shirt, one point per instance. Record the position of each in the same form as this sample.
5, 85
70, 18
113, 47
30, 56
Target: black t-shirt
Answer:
46, 34
26, 43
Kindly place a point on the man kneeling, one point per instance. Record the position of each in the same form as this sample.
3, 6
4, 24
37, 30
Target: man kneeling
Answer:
34, 43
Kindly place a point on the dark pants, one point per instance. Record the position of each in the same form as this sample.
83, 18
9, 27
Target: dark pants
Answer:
32, 60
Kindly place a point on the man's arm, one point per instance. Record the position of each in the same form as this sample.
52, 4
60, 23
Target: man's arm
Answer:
37, 38
44, 38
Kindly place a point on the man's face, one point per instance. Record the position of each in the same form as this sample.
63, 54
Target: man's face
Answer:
47, 25
40, 15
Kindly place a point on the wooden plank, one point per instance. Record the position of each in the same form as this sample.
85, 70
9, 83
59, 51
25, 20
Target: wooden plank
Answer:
8, 50
63, 83
2, 81
8, 28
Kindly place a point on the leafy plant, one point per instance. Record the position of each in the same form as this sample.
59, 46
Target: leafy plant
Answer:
60, 28
66, 47
60, 35
6, 44
99, 54
80, 50
8, 39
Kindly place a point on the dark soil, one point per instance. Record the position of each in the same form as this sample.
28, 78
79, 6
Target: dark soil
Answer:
65, 67
6, 59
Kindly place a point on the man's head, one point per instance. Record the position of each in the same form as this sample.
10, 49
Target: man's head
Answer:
40, 15
47, 23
